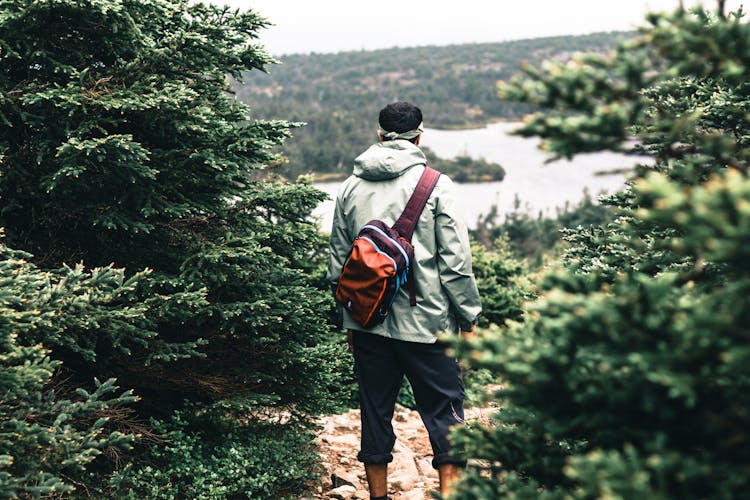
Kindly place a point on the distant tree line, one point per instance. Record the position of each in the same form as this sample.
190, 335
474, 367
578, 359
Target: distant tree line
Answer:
338, 96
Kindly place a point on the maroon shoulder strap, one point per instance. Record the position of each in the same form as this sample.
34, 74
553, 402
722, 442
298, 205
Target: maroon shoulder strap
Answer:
406, 224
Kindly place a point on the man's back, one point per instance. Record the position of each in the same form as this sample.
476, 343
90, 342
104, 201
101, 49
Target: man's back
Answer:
384, 178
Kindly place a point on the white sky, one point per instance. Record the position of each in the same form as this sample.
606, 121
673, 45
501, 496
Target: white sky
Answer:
303, 26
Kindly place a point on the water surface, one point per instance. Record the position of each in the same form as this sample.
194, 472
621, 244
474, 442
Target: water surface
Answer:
540, 186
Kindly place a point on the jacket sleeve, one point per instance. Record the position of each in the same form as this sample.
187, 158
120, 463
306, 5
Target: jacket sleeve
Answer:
454, 257
339, 246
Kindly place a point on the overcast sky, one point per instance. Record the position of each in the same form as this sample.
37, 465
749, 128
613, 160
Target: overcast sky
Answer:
303, 26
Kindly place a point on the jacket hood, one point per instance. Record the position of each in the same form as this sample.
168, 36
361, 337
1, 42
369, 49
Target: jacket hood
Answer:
387, 160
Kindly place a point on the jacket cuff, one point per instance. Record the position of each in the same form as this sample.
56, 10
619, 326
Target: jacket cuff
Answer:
466, 325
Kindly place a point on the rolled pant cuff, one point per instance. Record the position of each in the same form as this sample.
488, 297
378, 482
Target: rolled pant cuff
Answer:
383, 458
447, 458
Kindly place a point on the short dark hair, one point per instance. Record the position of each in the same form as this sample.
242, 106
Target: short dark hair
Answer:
400, 117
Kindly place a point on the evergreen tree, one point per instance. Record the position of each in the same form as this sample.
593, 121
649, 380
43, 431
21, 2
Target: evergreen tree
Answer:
46, 440
629, 377
121, 143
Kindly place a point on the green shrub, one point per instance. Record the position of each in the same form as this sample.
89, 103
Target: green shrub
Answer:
629, 377
538, 239
503, 283
271, 461
48, 438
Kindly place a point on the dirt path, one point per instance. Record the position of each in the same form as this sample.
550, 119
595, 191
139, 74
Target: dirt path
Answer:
410, 475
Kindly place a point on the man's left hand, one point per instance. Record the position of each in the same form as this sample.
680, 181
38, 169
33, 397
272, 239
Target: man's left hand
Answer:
470, 334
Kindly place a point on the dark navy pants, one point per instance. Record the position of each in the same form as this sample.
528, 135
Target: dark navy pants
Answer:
380, 364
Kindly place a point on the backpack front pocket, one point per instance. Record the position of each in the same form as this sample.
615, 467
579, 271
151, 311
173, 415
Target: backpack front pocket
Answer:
368, 282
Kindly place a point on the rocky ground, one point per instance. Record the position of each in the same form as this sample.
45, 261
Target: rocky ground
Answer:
410, 475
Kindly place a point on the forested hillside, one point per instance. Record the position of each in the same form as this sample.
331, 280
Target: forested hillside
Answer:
339, 95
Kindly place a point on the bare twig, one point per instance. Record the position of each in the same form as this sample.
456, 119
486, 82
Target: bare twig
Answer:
78, 483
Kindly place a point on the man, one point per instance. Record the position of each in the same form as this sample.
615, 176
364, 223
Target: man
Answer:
447, 298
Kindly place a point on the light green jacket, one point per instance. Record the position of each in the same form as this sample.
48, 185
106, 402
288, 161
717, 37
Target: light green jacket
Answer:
447, 297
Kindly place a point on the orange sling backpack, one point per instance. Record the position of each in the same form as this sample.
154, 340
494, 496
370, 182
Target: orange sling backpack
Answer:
381, 260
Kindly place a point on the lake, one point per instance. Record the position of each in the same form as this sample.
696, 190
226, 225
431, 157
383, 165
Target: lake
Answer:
540, 187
